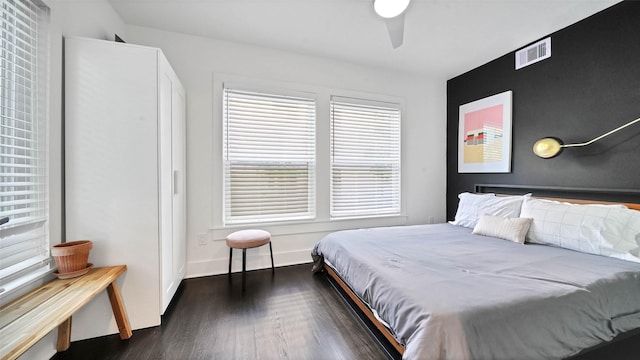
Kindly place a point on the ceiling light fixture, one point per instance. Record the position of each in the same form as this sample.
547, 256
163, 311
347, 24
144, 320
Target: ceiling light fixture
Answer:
390, 8
549, 147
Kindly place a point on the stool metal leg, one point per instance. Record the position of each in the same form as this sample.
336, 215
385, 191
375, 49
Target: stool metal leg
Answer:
273, 269
244, 265
230, 256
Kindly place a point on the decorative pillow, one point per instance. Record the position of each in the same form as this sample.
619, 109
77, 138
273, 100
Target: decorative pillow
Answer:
472, 206
512, 229
609, 230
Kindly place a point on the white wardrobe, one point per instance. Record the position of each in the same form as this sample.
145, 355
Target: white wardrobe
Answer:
125, 174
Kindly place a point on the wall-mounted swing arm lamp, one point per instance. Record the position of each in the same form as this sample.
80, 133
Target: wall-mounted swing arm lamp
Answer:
549, 147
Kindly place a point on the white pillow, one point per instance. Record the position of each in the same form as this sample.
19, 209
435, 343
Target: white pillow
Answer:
472, 206
609, 230
468, 208
633, 234
512, 229
505, 206
636, 252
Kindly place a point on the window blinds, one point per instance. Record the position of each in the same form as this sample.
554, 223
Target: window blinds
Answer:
269, 157
365, 158
24, 244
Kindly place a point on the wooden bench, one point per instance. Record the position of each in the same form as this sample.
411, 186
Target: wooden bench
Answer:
26, 320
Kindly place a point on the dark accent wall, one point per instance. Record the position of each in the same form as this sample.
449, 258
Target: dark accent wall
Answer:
589, 86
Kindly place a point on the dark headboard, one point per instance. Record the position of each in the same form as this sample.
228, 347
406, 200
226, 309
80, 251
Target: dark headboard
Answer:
613, 195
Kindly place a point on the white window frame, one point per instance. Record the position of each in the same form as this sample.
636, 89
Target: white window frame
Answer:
24, 239
358, 154
239, 153
322, 223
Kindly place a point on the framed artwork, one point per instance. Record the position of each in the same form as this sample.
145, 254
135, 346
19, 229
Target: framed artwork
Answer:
484, 135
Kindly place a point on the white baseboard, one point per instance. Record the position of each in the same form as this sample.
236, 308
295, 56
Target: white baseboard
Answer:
254, 262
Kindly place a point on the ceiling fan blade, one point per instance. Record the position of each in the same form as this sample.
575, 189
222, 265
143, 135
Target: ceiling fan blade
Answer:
396, 30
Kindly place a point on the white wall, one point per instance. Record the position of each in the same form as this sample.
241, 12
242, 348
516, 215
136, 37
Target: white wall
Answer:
200, 62
89, 18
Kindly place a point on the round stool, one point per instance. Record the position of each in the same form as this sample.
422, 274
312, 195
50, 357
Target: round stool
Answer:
245, 239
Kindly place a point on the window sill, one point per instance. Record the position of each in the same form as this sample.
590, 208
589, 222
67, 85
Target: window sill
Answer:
310, 227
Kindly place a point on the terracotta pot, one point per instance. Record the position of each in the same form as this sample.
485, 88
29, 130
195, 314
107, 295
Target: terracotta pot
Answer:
71, 256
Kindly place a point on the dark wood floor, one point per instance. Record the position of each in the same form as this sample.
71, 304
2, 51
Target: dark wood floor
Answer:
291, 315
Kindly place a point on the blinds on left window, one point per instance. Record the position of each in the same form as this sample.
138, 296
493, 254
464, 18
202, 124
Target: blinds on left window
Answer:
24, 238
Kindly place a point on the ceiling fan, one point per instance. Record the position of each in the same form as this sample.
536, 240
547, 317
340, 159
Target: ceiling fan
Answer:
392, 11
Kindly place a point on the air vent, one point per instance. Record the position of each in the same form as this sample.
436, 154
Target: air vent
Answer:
533, 53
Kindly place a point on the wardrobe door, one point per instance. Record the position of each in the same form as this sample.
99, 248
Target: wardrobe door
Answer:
165, 173
178, 122
172, 180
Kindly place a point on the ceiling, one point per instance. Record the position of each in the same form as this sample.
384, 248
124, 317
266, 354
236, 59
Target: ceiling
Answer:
442, 38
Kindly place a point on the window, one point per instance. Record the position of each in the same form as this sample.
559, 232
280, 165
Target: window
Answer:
365, 158
24, 239
269, 156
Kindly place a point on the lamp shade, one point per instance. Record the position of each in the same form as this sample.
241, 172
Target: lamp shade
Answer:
547, 147
390, 8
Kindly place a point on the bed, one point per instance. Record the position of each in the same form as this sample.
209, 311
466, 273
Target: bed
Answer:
445, 291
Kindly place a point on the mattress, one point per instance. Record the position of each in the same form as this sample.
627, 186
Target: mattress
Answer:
448, 294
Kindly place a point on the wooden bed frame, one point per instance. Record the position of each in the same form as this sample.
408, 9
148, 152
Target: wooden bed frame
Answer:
384, 331
395, 345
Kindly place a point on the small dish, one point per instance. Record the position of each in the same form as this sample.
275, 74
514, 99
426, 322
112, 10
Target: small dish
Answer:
73, 274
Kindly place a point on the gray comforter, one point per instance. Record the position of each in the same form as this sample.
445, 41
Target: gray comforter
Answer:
448, 294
